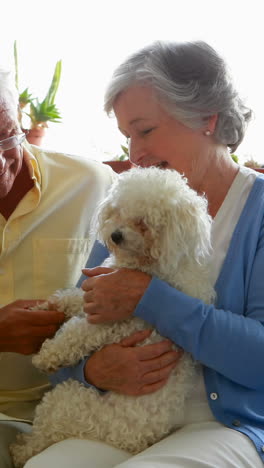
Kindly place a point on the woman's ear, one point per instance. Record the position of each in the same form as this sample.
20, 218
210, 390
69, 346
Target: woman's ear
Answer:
211, 123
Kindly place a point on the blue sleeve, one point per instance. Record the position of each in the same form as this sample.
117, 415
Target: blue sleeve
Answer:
229, 343
74, 372
98, 254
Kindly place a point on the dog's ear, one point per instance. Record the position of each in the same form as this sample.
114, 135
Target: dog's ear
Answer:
187, 230
103, 214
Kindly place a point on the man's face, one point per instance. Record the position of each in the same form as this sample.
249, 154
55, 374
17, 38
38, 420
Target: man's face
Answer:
11, 159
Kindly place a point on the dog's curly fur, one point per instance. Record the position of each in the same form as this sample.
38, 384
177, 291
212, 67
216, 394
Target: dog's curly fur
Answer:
161, 226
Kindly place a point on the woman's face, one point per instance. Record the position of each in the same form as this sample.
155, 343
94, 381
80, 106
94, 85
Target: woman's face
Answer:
155, 137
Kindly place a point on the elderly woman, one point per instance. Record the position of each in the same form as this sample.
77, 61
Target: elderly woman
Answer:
177, 106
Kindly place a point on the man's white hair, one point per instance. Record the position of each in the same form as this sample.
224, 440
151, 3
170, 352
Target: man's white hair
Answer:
8, 91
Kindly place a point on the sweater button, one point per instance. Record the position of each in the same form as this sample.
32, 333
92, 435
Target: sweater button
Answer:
236, 423
213, 396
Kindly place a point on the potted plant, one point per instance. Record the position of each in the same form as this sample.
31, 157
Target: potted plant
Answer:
121, 163
254, 165
249, 163
40, 112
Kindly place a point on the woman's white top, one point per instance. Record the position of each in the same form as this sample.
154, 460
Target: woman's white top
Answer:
197, 407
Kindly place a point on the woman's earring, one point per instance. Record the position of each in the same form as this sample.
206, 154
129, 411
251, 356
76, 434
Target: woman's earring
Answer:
207, 132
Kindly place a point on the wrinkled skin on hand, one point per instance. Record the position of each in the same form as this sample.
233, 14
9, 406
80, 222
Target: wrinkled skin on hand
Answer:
124, 367
132, 370
23, 330
112, 294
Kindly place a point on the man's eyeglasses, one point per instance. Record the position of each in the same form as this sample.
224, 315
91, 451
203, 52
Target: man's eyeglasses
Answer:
12, 142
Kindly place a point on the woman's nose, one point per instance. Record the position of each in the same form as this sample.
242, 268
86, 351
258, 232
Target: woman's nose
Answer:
136, 152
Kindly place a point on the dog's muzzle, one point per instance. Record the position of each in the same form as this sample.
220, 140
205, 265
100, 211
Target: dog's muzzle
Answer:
117, 237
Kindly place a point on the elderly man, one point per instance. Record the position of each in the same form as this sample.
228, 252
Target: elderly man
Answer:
47, 200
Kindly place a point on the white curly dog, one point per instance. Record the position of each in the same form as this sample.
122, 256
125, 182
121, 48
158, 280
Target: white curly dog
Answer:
151, 221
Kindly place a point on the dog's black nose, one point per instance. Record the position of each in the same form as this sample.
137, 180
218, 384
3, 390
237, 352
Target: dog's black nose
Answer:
117, 237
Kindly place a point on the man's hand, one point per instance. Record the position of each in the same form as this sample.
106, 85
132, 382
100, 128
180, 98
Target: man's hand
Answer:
23, 330
132, 370
112, 294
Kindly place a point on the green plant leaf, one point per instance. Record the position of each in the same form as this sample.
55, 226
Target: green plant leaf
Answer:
46, 110
125, 149
25, 97
234, 157
43, 112
51, 94
16, 64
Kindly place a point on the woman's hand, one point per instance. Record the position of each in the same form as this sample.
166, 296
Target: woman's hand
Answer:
23, 330
132, 370
112, 294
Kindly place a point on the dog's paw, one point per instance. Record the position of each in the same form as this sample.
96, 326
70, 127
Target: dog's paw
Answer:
47, 359
45, 366
69, 301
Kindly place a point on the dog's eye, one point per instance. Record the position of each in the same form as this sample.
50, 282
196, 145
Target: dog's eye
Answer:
117, 237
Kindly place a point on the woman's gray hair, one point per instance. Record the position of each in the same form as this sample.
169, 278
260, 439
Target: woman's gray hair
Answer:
192, 82
8, 91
